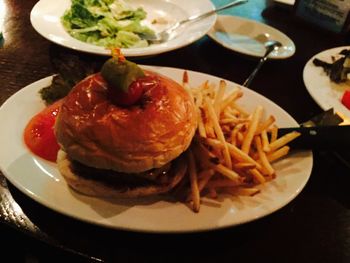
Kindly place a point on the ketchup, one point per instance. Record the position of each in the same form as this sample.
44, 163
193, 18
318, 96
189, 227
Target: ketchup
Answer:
39, 133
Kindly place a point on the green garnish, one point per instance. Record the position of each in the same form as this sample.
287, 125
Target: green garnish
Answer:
108, 23
70, 69
120, 73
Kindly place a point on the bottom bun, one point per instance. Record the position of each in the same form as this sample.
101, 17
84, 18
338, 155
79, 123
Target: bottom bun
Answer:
97, 188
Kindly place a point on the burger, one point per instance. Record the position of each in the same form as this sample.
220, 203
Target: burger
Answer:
123, 131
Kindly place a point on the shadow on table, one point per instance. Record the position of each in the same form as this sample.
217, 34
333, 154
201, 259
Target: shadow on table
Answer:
100, 242
287, 225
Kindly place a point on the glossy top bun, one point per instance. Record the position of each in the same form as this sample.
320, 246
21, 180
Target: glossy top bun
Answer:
95, 132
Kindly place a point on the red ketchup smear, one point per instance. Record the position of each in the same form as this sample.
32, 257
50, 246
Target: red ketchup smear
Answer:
39, 133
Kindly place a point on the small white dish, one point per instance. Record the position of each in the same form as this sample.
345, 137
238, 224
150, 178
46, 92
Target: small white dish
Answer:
41, 181
247, 37
46, 14
326, 93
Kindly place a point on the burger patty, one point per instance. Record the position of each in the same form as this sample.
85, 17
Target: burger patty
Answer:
158, 176
109, 184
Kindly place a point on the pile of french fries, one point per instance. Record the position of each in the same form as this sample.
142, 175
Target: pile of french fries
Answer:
232, 150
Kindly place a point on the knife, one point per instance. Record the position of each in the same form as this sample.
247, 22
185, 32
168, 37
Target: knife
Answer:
320, 137
320, 132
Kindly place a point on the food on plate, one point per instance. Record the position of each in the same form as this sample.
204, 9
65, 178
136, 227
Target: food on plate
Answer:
108, 23
124, 149
70, 69
39, 133
338, 71
233, 149
130, 132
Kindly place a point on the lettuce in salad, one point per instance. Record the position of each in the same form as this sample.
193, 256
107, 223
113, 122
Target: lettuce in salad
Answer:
108, 23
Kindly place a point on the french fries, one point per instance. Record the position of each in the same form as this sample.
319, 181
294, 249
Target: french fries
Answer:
232, 150
193, 180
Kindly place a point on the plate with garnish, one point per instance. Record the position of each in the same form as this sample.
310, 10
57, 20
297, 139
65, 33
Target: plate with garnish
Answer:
148, 161
327, 79
96, 26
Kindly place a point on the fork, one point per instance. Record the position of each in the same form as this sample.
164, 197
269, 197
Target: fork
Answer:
169, 33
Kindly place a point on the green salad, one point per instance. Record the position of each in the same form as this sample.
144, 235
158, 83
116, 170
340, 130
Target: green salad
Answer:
108, 23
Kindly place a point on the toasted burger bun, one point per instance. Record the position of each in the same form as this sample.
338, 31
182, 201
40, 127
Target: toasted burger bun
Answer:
99, 188
95, 132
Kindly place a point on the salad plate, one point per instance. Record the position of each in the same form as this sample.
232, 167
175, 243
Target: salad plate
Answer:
46, 19
326, 93
247, 37
41, 181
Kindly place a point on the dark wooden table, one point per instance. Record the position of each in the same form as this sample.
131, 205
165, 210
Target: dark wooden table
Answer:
314, 227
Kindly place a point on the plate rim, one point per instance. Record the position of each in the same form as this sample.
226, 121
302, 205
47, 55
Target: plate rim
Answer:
142, 229
251, 54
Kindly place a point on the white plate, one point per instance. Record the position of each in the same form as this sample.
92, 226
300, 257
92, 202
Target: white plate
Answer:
327, 94
41, 181
45, 18
247, 37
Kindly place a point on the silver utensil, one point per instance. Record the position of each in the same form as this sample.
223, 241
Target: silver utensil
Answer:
170, 33
270, 46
